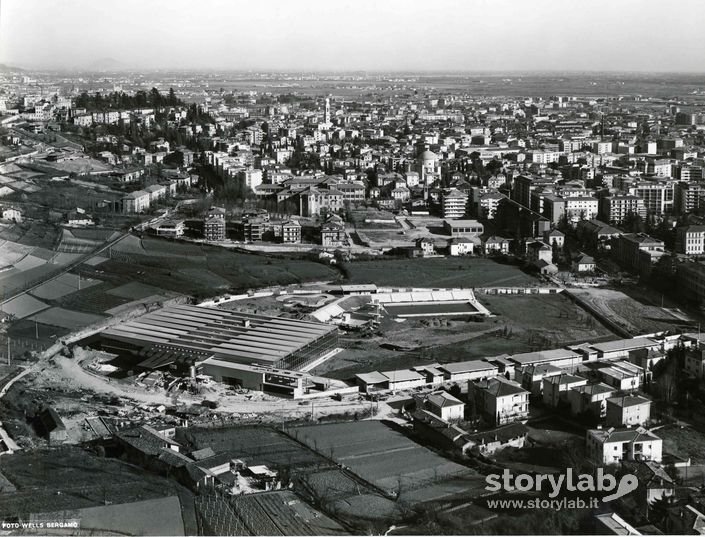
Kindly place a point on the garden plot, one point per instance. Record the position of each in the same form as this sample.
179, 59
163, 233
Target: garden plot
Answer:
135, 291
66, 318
380, 455
63, 285
11, 252
23, 306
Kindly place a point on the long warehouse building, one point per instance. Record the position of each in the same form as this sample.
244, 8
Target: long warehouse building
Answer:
183, 335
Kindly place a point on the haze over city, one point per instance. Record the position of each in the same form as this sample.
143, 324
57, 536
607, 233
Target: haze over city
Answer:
447, 35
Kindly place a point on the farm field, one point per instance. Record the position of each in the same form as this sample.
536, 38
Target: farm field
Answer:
379, 455
254, 445
65, 318
80, 478
438, 272
23, 306
201, 269
159, 516
63, 285
282, 513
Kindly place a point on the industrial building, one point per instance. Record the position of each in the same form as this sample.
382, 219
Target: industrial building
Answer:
179, 336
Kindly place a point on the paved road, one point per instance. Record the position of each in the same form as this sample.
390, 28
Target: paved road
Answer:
17, 377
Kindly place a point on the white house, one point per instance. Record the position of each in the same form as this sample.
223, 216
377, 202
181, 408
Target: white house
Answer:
628, 410
614, 445
460, 246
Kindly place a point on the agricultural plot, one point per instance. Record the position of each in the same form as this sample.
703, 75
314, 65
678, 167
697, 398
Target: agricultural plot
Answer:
92, 300
159, 516
63, 285
71, 478
438, 272
66, 318
29, 262
134, 291
23, 306
11, 252
254, 445
379, 455
282, 513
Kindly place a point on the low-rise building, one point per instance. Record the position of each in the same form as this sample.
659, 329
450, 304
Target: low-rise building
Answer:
628, 410
136, 202
442, 404
500, 401
214, 228
291, 232
690, 240
590, 398
458, 246
556, 388
609, 446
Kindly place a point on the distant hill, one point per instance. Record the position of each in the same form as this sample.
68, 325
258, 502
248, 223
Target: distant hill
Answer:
8, 68
106, 64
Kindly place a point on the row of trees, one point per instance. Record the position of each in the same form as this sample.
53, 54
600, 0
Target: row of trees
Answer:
123, 101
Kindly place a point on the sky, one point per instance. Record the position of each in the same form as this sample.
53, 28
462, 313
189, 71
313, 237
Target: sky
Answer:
344, 35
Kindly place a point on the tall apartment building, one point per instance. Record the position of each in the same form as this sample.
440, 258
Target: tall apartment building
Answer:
688, 197
658, 196
615, 208
581, 207
454, 203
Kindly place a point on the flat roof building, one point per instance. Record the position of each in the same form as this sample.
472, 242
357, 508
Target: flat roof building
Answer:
185, 334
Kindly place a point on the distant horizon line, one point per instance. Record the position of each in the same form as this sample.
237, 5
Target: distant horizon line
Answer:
318, 71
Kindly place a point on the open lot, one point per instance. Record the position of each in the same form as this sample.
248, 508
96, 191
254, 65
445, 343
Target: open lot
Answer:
522, 323
380, 455
632, 315
685, 442
438, 272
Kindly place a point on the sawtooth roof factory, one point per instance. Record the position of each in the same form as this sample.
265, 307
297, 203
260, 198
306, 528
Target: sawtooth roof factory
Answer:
179, 336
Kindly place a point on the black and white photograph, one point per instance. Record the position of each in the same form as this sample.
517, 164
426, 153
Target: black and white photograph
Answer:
354, 267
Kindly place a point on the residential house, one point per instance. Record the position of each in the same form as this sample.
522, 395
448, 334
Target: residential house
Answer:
490, 442
690, 240
609, 446
590, 398
442, 404
532, 377
556, 388
333, 234
214, 228
495, 245
538, 251
290, 232
427, 246
584, 263
499, 401
136, 202
12, 214
628, 410
458, 246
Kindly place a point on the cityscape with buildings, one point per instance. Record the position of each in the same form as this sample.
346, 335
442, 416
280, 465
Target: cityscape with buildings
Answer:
351, 302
